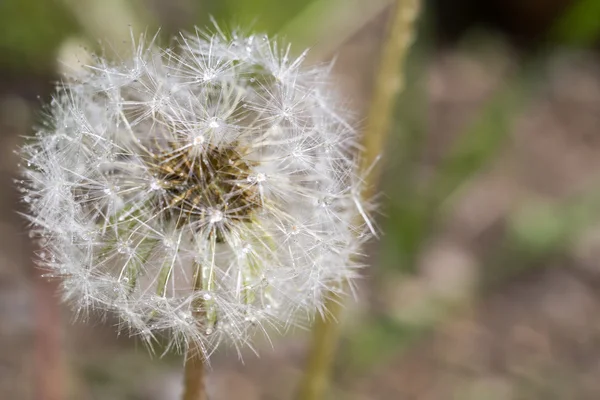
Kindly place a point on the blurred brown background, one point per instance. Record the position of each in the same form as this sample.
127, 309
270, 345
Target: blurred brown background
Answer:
486, 281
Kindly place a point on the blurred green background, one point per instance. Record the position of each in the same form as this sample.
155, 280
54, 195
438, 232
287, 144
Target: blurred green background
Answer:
485, 283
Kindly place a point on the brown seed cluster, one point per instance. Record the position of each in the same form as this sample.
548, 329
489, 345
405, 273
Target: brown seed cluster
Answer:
196, 185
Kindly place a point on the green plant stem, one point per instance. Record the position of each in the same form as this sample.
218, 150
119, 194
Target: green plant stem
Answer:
322, 353
389, 82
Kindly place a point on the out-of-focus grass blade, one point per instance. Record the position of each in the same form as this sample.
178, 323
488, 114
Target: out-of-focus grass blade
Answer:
479, 144
414, 212
324, 25
404, 223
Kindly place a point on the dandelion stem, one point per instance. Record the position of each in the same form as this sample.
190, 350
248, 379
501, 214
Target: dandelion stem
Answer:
389, 82
193, 379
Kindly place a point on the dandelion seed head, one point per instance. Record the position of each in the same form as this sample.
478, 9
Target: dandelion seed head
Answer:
207, 190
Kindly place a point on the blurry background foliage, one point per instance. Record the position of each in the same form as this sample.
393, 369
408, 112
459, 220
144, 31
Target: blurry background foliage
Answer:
31, 31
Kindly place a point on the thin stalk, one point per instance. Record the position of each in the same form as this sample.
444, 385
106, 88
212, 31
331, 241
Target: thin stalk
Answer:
193, 380
51, 368
194, 387
389, 82
322, 353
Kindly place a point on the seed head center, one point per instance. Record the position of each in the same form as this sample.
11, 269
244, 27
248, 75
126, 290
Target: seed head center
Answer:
208, 186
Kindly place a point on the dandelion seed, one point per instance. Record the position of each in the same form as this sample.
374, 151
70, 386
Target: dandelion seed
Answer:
178, 189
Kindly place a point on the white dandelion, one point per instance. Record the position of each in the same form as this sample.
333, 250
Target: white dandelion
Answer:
209, 190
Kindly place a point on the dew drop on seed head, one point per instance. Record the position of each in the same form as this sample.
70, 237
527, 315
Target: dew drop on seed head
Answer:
186, 316
215, 216
326, 201
124, 247
155, 185
199, 140
214, 123
169, 243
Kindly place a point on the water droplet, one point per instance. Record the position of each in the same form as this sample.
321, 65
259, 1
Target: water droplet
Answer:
169, 243
258, 178
186, 316
155, 184
207, 296
326, 201
199, 140
214, 123
215, 216
27, 199
87, 236
124, 247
